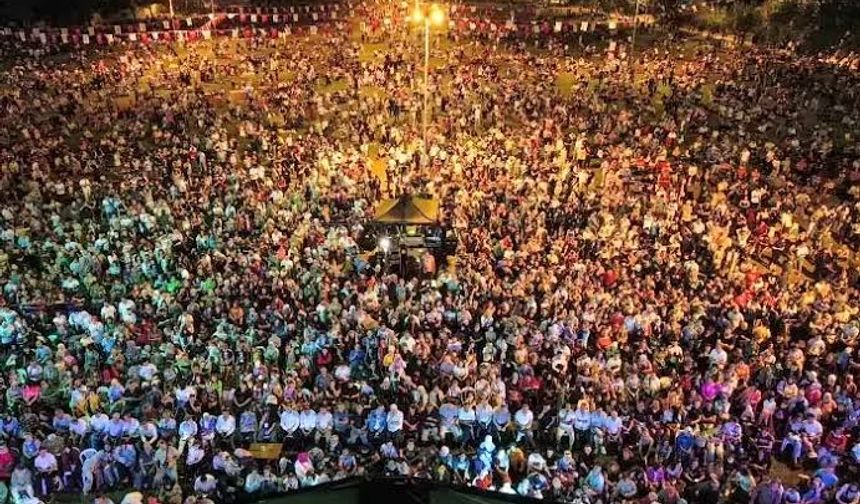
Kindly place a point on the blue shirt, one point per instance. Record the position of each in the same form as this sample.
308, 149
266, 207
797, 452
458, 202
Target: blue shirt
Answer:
248, 421
62, 422
581, 420
377, 420
828, 478
126, 455
11, 426
115, 428
448, 414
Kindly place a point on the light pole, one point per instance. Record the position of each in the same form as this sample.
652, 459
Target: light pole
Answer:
434, 17
635, 27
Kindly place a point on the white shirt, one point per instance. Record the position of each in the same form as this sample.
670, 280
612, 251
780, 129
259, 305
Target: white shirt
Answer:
99, 422
812, 428
290, 420
308, 420
45, 462
395, 421
195, 454
225, 425
324, 420
524, 418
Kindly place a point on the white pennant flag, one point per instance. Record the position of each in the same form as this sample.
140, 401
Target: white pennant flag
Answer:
235, 33
334, 15
315, 16
141, 27
231, 15
22, 36
43, 38
155, 35
117, 29
287, 30
583, 26
274, 18
166, 24
64, 37
557, 27
132, 37
295, 18
207, 34
86, 38
188, 22
253, 18
612, 46
91, 30
109, 38
64, 30
313, 30
613, 24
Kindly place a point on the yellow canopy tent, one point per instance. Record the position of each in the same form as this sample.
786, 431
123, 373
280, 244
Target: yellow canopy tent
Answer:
408, 210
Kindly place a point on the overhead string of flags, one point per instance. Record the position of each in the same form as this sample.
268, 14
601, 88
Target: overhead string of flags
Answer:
238, 22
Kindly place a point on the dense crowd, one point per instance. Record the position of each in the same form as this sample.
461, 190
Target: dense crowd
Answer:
654, 295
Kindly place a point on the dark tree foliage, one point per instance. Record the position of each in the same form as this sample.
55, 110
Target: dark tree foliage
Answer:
58, 11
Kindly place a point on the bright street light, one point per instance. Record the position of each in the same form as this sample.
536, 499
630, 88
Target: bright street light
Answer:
437, 17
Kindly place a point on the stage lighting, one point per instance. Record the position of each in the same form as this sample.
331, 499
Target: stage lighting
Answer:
385, 244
